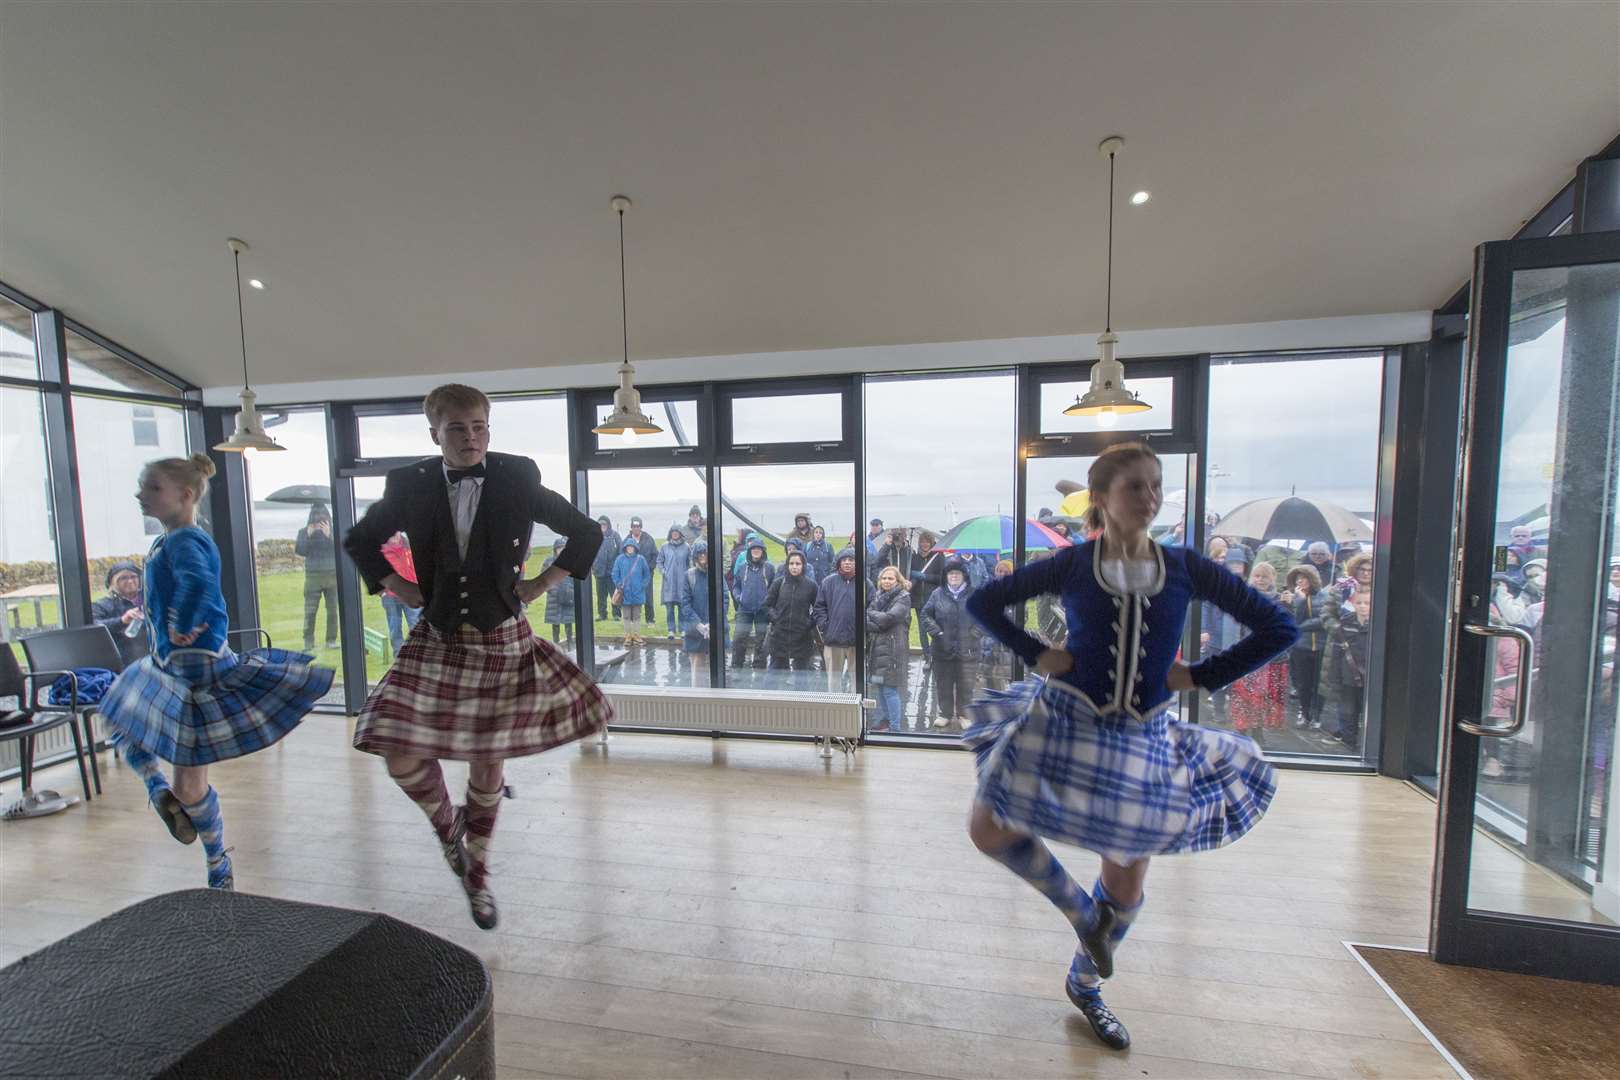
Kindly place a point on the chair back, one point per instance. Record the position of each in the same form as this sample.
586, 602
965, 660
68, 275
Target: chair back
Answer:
12, 683
77, 647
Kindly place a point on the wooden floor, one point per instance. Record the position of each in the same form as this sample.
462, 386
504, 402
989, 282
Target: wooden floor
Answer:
681, 907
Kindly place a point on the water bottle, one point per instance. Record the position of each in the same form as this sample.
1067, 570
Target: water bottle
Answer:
136, 625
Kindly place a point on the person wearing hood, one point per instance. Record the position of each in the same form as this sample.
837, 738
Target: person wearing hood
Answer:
958, 641
791, 607
1508, 606
122, 609
803, 531
888, 648
838, 621
648, 549
319, 551
751, 590
1316, 614
898, 553
602, 569
927, 574
789, 546
673, 562
693, 529
560, 600
696, 626
1535, 580
818, 555
632, 578
976, 569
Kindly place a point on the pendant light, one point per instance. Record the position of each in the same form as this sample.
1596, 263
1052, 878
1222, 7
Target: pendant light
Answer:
626, 419
249, 433
1107, 399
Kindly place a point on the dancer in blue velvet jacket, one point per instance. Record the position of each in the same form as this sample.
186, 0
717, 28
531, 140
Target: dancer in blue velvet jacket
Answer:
1092, 754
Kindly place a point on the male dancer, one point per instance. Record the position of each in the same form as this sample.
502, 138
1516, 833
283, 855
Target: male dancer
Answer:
473, 683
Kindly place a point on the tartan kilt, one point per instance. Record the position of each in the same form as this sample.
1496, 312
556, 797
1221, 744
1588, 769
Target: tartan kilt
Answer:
1126, 789
475, 695
199, 707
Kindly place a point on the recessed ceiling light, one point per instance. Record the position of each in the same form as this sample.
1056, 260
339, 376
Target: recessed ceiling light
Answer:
1141, 197
257, 284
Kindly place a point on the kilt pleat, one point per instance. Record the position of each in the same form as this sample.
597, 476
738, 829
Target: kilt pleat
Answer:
199, 707
1126, 789
472, 695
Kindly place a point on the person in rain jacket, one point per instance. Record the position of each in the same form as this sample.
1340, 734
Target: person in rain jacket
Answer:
838, 620
673, 562
803, 532
696, 625
791, 607
1316, 613
560, 600
648, 547
789, 546
632, 577
927, 574
977, 570
1351, 656
957, 644
818, 555
888, 649
751, 589
602, 569
693, 529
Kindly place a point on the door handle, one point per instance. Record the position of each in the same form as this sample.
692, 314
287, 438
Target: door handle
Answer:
1521, 699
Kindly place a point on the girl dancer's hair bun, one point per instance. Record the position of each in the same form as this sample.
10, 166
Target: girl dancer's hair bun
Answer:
189, 472
203, 464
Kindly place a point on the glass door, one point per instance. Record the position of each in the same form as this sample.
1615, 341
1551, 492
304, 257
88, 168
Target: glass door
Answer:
1527, 877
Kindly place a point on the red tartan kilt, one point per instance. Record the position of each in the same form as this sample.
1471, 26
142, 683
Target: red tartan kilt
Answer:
472, 695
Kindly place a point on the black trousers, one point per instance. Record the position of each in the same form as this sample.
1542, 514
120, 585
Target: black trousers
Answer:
604, 593
1305, 670
316, 587
953, 684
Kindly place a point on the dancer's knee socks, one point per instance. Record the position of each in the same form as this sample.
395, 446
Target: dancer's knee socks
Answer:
145, 764
205, 817
425, 786
482, 806
1033, 861
1082, 972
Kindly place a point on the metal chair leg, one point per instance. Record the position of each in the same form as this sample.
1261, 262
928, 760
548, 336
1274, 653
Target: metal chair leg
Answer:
90, 745
78, 758
27, 756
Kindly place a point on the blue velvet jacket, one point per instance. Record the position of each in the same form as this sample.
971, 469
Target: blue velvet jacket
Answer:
182, 591
1124, 643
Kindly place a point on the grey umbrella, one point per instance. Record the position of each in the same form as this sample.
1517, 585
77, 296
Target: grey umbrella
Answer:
308, 494
1293, 518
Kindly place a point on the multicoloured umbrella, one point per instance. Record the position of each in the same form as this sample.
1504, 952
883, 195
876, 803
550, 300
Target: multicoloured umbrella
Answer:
992, 534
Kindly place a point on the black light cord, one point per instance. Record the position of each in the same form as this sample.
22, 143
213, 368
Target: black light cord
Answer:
1108, 316
624, 305
241, 324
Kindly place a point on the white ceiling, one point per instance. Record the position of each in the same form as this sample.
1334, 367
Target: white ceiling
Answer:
426, 186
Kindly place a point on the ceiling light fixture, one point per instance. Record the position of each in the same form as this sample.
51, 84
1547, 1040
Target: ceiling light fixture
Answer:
1107, 398
1141, 197
249, 433
256, 283
626, 419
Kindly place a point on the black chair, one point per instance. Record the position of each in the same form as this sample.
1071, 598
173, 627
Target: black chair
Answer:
26, 723
66, 650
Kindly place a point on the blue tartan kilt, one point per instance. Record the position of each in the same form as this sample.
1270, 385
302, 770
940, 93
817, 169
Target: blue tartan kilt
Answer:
200, 707
1049, 765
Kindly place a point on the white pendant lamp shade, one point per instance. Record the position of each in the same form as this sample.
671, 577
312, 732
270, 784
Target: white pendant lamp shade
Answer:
626, 419
1108, 399
249, 433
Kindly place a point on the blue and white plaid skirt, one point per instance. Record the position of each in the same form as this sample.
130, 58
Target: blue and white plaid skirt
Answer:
1049, 765
200, 707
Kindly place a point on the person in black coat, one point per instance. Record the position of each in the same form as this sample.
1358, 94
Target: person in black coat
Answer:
957, 642
560, 600
602, 570
122, 608
888, 648
927, 574
790, 604
319, 551
649, 551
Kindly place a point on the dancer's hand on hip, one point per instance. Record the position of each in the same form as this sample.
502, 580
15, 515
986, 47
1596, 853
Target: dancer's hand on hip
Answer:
1180, 678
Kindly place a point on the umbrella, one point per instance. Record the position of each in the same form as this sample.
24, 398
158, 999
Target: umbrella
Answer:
310, 494
1294, 518
992, 534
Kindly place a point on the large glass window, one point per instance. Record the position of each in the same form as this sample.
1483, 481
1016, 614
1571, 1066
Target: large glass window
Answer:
18, 357
1156, 392
787, 418
295, 547
115, 440
91, 367
647, 629
678, 419
940, 458
780, 639
1291, 486
30, 596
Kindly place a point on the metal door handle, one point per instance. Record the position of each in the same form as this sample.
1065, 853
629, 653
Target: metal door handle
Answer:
1521, 699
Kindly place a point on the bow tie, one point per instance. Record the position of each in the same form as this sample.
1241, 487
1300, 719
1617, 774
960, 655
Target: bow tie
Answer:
456, 476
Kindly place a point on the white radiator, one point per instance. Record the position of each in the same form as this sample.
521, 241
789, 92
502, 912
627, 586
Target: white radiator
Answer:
829, 716
54, 743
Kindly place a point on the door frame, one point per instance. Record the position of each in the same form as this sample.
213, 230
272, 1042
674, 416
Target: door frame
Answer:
1458, 935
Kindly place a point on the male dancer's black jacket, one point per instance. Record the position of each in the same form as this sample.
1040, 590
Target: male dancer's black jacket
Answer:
482, 591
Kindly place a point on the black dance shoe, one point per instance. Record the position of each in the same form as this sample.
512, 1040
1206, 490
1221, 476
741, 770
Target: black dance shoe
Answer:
1098, 941
1104, 1024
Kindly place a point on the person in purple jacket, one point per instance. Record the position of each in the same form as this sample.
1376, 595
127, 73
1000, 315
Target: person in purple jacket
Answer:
1092, 753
